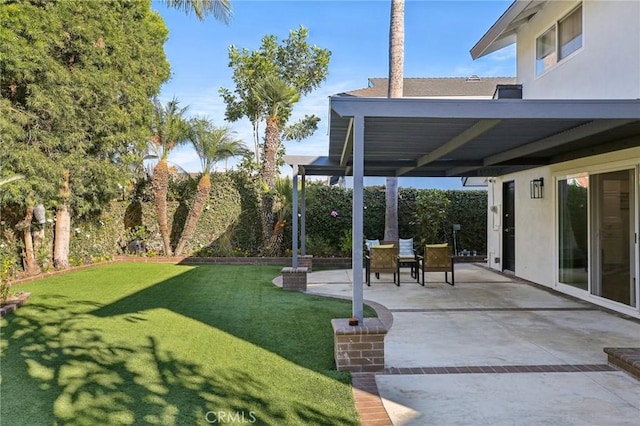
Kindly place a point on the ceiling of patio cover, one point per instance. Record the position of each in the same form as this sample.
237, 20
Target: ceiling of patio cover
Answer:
440, 138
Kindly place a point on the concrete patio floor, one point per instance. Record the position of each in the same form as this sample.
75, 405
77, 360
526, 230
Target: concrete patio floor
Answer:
493, 350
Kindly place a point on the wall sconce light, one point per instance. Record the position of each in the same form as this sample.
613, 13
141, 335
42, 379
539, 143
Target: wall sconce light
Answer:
536, 186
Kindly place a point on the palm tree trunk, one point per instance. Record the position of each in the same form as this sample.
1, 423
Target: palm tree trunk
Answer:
62, 233
30, 265
271, 143
395, 90
391, 210
160, 187
268, 218
275, 240
269, 165
396, 50
201, 198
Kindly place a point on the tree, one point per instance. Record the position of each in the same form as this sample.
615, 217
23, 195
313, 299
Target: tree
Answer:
220, 9
395, 90
77, 78
267, 83
169, 128
277, 97
212, 144
301, 66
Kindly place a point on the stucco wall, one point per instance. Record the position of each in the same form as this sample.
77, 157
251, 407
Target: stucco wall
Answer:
606, 67
536, 219
534, 228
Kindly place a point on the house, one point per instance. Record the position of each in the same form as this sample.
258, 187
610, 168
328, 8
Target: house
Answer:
572, 225
472, 87
560, 149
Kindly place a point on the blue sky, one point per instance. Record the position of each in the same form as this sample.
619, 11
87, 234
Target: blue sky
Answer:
438, 37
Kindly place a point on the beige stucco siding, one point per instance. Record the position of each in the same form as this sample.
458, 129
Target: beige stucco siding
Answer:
536, 222
606, 67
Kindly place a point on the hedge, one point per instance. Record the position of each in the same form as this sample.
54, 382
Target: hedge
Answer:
231, 226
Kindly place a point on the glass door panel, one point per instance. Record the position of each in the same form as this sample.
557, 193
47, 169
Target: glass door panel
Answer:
573, 230
613, 236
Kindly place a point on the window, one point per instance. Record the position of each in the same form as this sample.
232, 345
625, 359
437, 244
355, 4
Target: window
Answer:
570, 33
559, 41
546, 51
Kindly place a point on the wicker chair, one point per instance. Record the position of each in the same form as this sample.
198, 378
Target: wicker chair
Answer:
383, 259
437, 258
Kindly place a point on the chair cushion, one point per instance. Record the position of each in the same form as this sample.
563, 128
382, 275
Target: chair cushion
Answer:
371, 243
385, 246
406, 247
436, 245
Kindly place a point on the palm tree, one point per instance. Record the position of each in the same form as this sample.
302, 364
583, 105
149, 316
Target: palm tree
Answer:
282, 210
395, 89
221, 9
170, 129
277, 97
212, 144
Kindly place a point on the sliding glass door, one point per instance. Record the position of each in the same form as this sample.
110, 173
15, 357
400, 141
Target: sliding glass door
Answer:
613, 234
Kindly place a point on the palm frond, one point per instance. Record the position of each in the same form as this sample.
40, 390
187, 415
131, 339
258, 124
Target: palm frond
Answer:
275, 94
220, 9
9, 179
212, 143
169, 127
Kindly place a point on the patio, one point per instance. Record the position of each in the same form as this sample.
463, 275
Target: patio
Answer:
492, 350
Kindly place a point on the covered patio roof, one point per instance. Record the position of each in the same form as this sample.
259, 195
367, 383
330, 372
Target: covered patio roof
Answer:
451, 137
458, 138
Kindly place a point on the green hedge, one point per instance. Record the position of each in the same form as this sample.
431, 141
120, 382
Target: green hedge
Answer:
327, 235
231, 226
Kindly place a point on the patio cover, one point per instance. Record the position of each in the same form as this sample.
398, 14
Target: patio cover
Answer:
458, 138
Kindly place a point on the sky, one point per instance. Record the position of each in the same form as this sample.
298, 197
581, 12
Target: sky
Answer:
438, 37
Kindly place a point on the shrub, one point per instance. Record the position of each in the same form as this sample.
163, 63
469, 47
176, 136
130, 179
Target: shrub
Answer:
430, 217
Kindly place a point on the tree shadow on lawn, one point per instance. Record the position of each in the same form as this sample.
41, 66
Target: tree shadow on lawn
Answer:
282, 322
59, 364
68, 372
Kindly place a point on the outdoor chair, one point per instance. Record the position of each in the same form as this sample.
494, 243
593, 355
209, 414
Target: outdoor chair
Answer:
437, 258
383, 258
370, 243
407, 256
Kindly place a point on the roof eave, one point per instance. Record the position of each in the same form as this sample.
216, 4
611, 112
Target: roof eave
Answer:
503, 32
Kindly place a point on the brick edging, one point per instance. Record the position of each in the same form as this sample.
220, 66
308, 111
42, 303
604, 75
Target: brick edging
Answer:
367, 401
14, 304
60, 272
187, 260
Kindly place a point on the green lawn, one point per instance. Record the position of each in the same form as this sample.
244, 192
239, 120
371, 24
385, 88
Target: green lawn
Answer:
165, 344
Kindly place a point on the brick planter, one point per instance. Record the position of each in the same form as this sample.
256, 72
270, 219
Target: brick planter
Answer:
306, 261
626, 359
359, 348
294, 278
13, 303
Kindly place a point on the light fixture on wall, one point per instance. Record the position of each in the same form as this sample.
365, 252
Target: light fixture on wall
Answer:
536, 186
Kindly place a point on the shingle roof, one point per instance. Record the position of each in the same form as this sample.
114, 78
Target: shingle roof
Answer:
435, 87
